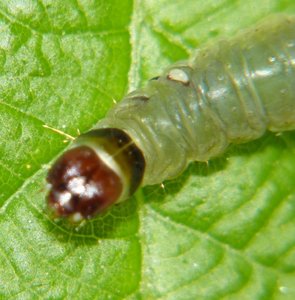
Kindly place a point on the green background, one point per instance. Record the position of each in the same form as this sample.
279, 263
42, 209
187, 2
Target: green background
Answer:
225, 230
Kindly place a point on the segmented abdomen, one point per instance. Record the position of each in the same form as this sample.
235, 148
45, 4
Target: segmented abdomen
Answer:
248, 82
230, 92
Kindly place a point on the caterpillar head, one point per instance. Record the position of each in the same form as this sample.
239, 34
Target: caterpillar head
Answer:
104, 167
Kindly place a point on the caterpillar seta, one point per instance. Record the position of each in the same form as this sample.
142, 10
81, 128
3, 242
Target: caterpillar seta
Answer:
229, 92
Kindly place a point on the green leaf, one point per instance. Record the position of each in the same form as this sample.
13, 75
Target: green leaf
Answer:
222, 230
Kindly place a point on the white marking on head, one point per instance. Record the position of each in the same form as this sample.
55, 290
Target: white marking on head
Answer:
92, 190
77, 217
77, 185
64, 198
72, 171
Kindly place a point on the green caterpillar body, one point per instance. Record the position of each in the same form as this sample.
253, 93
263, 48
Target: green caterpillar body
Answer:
231, 91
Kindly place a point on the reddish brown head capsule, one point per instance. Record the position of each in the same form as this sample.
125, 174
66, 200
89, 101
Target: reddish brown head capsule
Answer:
104, 168
81, 184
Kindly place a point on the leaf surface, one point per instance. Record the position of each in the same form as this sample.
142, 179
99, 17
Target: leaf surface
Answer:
222, 230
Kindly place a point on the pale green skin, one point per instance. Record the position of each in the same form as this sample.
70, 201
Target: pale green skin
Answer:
238, 89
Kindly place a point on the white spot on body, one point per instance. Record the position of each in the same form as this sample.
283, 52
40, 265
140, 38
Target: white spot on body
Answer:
262, 73
178, 75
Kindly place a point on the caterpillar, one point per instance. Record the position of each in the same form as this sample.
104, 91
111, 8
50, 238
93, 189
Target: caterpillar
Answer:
229, 92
